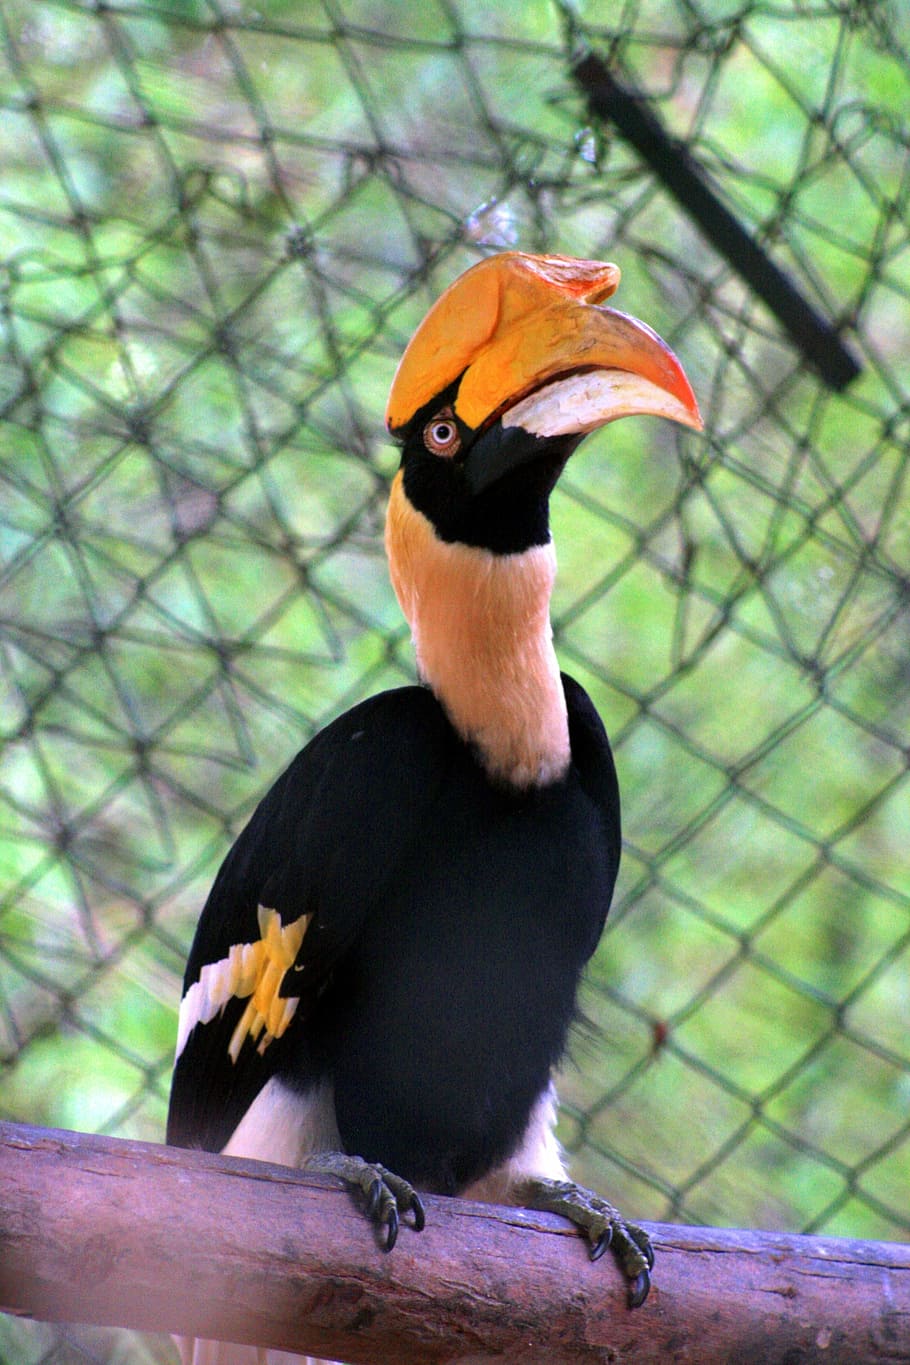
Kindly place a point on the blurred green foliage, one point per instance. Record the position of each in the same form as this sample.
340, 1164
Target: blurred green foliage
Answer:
219, 225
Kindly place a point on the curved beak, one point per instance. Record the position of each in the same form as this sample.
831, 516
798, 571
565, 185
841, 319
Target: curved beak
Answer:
523, 339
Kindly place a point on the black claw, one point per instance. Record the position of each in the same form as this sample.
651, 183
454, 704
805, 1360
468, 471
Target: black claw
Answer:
373, 1198
600, 1246
638, 1290
648, 1252
392, 1237
420, 1217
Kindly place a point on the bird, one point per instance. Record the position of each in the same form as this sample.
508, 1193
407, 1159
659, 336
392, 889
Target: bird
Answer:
384, 976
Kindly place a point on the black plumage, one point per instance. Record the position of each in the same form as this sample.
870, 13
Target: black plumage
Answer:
452, 919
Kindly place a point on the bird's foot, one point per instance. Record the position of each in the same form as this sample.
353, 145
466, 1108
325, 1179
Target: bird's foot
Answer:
602, 1224
387, 1196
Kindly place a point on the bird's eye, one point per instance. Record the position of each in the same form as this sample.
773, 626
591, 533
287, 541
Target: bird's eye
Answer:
441, 435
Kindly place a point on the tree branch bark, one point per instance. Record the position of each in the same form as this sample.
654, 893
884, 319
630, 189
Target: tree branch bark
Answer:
111, 1232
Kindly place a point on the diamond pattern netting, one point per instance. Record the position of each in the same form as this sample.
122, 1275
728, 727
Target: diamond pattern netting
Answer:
218, 228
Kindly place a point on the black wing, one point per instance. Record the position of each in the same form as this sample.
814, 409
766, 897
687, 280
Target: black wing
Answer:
593, 760
290, 898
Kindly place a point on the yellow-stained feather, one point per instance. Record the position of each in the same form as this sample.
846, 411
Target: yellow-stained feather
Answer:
252, 971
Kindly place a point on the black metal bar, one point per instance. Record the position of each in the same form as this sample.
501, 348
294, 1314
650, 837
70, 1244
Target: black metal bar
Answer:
678, 170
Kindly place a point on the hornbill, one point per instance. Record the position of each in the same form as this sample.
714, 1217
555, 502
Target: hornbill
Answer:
385, 972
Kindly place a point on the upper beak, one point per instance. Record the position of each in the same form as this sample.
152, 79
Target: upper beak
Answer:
624, 369
525, 340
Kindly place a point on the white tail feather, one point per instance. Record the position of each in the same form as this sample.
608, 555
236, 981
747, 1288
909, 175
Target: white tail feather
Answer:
284, 1127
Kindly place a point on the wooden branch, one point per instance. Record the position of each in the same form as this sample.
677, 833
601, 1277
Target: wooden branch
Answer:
111, 1232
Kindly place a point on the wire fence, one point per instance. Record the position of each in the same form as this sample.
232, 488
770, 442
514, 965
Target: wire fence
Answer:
219, 226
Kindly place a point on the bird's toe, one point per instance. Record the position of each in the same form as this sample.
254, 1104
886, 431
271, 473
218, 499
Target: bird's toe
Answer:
602, 1225
388, 1196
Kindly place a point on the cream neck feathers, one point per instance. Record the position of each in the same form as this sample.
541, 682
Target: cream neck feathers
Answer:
481, 628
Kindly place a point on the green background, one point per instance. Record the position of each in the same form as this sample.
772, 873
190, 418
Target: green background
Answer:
219, 225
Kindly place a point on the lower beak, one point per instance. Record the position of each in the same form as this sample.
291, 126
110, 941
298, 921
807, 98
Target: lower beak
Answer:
582, 402
599, 365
